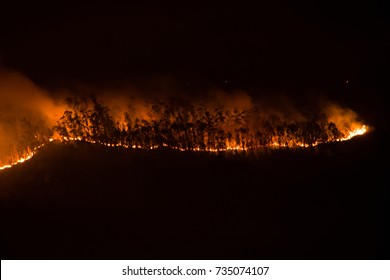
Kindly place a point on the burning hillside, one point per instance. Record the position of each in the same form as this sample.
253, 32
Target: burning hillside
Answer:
177, 124
236, 124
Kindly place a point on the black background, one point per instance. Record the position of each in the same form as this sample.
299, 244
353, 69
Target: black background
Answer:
270, 45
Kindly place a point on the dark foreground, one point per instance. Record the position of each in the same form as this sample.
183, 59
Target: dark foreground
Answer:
79, 201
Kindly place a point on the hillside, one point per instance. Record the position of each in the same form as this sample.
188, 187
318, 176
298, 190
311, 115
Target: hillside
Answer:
84, 201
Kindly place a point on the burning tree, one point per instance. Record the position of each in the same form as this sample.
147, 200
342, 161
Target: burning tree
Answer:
179, 125
175, 124
27, 134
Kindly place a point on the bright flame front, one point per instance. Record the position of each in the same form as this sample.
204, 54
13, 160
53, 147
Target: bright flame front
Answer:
184, 127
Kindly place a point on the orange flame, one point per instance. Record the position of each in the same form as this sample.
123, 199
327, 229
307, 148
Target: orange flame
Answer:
221, 122
358, 131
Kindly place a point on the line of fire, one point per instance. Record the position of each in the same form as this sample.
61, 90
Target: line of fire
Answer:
177, 124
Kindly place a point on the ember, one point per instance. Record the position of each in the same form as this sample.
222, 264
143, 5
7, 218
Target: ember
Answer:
180, 125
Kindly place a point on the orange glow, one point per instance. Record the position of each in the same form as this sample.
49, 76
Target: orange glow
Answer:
222, 123
358, 131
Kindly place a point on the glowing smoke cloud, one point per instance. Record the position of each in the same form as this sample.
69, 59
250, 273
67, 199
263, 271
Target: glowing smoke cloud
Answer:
27, 114
30, 118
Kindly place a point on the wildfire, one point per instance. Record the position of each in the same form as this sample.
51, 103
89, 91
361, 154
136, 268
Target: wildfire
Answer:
184, 127
358, 131
24, 158
21, 160
228, 122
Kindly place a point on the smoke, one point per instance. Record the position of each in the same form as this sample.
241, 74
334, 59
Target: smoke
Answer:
28, 112
25, 111
342, 117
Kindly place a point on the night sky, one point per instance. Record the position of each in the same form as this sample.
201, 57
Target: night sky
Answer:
270, 46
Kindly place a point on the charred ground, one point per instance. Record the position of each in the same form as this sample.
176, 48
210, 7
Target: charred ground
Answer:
83, 201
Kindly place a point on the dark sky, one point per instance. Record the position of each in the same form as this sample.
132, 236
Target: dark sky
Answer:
271, 45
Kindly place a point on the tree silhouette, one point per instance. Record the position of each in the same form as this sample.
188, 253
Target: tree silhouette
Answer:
179, 125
